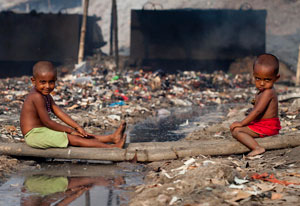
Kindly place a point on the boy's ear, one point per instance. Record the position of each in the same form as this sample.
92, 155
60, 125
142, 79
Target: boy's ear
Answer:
277, 77
32, 80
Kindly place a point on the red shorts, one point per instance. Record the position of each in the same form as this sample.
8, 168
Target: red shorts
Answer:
265, 127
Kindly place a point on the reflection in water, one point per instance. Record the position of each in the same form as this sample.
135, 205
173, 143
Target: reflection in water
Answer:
48, 190
175, 123
72, 184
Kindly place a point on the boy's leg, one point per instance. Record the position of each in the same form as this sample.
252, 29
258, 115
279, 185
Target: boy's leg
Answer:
115, 137
83, 142
246, 137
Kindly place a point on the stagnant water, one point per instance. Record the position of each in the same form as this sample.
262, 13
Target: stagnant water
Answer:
176, 123
72, 184
91, 184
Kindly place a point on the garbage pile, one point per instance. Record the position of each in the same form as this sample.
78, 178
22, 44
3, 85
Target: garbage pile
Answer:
101, 97
269, 180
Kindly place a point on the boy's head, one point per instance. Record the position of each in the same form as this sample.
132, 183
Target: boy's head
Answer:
44, 77
265, 71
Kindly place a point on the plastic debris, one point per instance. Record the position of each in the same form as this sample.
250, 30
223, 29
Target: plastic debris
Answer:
173, 200
120, 103
240, 181
272, 178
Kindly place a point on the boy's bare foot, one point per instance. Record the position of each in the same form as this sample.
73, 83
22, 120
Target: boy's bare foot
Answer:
119, 133
258, 150
113, 138
121, 142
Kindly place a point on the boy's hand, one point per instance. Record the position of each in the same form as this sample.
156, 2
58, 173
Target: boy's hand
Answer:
89, 135
76, 133
82, 131
235, 124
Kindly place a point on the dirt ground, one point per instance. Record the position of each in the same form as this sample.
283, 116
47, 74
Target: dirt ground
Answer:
219, 180
198, 180
201, 180
229, 180
269, 179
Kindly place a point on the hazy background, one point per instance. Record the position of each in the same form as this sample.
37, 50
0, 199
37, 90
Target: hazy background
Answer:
283, 27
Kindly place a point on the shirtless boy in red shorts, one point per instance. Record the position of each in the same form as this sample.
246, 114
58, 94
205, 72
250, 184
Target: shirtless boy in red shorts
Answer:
263, 120
42, 132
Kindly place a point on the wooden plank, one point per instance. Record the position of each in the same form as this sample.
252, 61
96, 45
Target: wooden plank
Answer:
152, 151
298, 69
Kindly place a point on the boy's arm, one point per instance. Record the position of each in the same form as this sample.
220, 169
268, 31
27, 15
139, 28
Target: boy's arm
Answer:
39, 104
66, 118
260, 106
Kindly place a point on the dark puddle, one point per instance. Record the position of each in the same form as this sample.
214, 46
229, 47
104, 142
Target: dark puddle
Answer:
175, 123
72, 184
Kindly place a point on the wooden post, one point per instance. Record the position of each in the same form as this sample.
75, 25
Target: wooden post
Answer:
87, 198
27, 8
83, 31
111, 29
110, 197
298, 69
49, 6
115, 17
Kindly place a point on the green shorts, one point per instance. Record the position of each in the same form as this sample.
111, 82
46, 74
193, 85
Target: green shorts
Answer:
43, 137
46, 185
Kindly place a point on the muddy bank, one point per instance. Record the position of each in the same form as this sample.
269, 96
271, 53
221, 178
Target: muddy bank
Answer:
10, 165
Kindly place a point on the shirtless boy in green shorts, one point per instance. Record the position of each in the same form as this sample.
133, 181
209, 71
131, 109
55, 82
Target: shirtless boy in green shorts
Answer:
42, 132
263, 120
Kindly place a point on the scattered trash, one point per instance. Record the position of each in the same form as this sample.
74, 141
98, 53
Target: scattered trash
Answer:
114, 117
184, 168
100, 98
233, 186
240, 181
276, 196
272, 178
120, 103
173, 200
208, 162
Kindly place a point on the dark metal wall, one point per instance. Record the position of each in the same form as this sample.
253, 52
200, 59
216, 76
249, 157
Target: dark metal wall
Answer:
195, 39
28, 38
25, 37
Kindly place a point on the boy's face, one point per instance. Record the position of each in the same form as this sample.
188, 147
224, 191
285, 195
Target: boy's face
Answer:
44, 82
264, 77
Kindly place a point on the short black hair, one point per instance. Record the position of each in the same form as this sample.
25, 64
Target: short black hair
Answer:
269, 60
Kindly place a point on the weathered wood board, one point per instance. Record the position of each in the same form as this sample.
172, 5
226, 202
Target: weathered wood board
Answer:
151, 151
